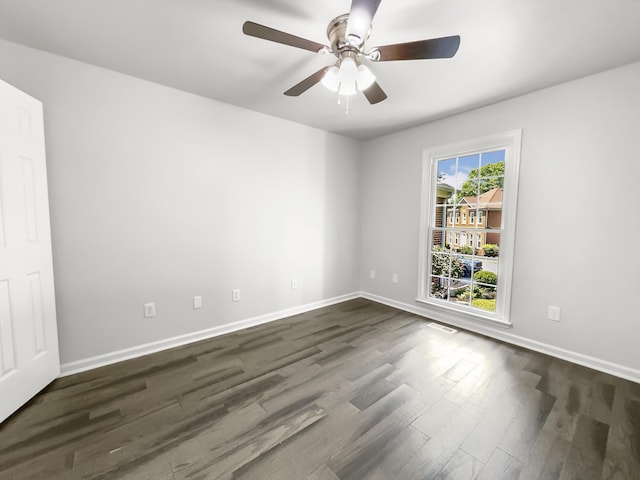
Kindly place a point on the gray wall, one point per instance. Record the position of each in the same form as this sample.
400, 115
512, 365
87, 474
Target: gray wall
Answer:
157, 195
578, 226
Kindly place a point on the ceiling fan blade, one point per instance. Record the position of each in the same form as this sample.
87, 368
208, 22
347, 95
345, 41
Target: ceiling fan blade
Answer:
374, 93
360, 18
260, 31
307, 83
445, 47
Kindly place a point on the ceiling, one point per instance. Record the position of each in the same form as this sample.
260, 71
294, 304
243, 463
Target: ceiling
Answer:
507, 48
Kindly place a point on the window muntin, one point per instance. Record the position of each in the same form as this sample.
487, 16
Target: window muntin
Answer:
482, 188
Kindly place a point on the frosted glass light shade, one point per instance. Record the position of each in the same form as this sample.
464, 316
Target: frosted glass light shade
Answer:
348, 70
365, 77
348, 87
331, 79
348, 78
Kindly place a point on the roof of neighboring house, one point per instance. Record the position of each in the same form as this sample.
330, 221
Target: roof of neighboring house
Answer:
490, 200
445, 187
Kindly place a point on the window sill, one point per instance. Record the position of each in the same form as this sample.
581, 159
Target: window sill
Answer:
450, 312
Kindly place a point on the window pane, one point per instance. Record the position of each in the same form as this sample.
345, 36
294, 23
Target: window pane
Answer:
485, 284
494, 215
438, 238
497, 156
440, 263
459, 292
490, 246
466, 165
440, 217
438, 287
446, 170
484, 304
467, 178
470, 264
491, 174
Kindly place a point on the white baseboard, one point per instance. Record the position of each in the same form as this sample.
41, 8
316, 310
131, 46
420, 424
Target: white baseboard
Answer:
498, 333
442, 317
140, 350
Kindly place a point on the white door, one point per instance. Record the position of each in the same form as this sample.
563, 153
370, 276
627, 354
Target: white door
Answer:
28, 334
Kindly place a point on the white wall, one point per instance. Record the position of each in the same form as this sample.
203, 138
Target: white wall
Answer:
578, 223
158, 195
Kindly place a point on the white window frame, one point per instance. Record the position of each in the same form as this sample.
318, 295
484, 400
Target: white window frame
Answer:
511, 143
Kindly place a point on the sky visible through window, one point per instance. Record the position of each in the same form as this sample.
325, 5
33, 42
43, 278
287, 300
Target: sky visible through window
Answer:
456, 173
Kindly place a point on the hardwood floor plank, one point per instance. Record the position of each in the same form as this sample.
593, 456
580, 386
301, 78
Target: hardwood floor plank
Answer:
249, 446
485, 438
501, 466
527, 426
436, 418
547, 457
622, 460
461, 466
306, 454
356, 390
586, 456
427, 462
371, 394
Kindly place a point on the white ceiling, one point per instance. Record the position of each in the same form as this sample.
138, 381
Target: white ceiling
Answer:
508, 48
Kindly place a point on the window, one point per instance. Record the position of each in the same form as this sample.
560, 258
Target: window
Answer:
472, 277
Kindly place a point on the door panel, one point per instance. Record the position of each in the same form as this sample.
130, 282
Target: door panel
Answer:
28, 332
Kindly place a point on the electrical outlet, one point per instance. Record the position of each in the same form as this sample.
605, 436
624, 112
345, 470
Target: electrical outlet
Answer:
553, 313
294, 284
394, 278
149, 310
197, 302
235, 295
372, 274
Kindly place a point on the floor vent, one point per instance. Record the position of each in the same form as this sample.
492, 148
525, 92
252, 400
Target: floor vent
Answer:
442, 328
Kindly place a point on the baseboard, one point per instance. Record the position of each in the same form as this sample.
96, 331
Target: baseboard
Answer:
442, 317
497, 333
140, 350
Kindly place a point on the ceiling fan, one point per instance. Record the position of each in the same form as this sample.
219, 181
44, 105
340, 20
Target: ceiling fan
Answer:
347, 35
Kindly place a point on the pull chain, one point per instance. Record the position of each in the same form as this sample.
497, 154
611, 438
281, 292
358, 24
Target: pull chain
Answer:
346, 112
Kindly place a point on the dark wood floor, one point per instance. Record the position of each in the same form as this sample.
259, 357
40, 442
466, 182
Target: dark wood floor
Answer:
353, 391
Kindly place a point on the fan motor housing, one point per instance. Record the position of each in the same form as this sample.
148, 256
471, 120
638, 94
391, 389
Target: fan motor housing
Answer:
337, 34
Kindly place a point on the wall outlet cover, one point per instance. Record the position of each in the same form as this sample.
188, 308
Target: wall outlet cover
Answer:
149, 310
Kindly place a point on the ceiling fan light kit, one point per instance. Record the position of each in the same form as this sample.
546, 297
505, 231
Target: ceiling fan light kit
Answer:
348, 78
347, 35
